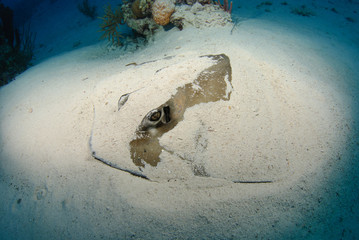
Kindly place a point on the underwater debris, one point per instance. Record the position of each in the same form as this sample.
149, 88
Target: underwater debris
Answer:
110, 25
334, 10
266, 3
303, 11
76, 44
349, 19
86, 9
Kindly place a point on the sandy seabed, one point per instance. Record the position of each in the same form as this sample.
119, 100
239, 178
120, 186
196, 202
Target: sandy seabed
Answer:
291, 116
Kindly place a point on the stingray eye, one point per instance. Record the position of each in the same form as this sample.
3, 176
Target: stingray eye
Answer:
155, 116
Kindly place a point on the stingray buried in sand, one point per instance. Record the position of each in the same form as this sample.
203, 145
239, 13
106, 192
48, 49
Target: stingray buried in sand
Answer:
213, 84
209, 85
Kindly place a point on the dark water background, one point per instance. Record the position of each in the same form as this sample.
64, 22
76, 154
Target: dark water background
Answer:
52, 20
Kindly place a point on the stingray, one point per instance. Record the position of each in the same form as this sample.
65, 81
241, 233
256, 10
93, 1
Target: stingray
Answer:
133, 142
212, 84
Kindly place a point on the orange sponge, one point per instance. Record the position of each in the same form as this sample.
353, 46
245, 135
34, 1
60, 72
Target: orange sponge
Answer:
162, 11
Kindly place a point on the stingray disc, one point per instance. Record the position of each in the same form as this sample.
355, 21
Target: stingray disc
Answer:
152, 100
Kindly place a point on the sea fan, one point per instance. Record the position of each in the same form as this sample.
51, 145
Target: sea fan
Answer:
110, 25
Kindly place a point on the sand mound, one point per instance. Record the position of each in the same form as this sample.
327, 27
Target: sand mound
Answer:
274, 126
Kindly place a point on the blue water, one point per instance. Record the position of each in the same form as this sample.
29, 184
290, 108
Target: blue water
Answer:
336, 214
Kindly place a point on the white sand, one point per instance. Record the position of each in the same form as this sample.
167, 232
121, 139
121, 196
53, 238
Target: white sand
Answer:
291, 120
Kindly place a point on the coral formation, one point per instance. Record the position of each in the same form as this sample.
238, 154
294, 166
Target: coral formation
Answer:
110, 25
7, 26
146, 17
16, 50
142, 26
162, 11
141, 8
200, 16
136, 10
226, 7
191, 2
204, 1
